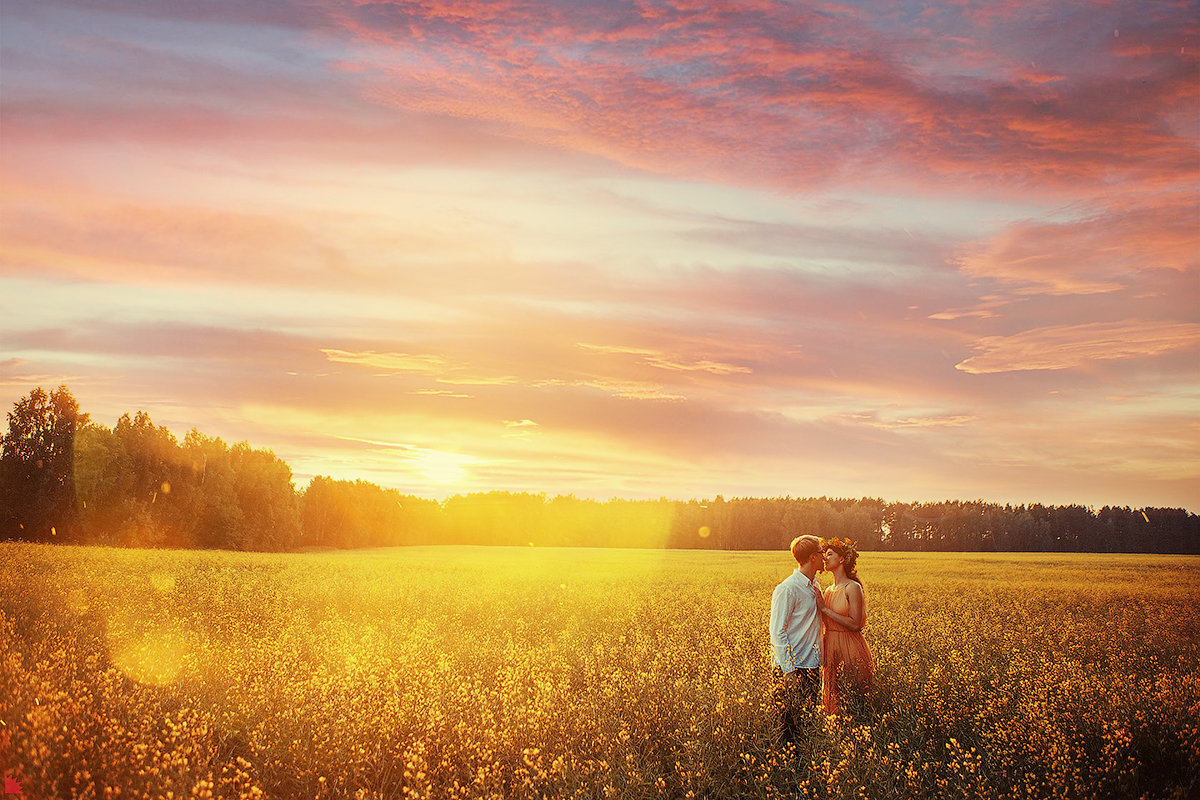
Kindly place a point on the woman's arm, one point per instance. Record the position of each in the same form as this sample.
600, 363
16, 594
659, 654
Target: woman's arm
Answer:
820, 618
857, 616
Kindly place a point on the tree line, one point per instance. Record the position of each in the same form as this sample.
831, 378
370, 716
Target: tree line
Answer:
66, 478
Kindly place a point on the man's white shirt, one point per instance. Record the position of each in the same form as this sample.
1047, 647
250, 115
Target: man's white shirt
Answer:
795, 624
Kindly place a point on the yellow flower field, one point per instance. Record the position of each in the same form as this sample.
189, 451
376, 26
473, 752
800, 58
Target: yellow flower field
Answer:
460, 672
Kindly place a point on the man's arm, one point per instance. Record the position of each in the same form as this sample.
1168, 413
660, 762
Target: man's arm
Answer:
781, 612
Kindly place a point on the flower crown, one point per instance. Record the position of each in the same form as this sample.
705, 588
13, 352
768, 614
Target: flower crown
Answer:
847, 546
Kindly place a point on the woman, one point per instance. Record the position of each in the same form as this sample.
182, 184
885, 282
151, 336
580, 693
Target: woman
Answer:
845, 658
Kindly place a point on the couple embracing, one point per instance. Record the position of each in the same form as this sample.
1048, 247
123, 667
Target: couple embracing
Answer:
817, 637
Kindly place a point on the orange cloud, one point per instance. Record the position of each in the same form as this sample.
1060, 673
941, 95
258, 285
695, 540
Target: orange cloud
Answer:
520, 429
440, 393
1071, 346
468, 380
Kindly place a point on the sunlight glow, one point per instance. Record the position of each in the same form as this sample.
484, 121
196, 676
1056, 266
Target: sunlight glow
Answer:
148, 654
443, 468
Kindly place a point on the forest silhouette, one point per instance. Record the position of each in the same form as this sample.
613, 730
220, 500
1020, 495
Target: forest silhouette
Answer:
64, 478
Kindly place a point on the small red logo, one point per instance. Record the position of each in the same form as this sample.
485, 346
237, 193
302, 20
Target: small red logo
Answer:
11, 786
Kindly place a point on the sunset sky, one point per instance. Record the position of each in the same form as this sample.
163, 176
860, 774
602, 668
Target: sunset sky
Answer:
916, 251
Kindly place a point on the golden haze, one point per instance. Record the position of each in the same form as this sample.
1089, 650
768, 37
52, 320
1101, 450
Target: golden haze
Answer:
461, 672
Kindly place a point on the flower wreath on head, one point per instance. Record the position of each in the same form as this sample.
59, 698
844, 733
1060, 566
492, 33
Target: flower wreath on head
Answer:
850, 548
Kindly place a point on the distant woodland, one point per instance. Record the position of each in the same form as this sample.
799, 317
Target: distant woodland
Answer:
65, 478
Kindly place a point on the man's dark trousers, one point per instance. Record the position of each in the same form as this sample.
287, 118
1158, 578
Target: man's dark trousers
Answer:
791, 700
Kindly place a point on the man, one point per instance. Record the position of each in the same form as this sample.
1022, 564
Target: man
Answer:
796, 635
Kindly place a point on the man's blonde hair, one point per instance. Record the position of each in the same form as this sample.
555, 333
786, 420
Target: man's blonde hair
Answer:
803, 548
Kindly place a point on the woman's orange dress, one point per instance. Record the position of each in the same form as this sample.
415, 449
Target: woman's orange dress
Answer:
847, 659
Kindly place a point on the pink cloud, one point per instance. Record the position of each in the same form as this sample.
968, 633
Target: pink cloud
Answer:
730, 92
1073, 346
763, 94
1102, 252
158, 245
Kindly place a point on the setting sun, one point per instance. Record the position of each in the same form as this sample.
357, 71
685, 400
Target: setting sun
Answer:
446, 469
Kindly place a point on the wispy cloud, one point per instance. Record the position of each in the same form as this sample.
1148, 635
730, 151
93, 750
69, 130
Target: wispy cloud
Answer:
1071, 346
625, 389
440, 393
469, 380
888, 419
656, 358
395, 362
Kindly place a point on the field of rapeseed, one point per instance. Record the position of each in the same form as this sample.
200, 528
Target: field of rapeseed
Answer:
464, 672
